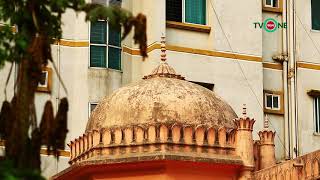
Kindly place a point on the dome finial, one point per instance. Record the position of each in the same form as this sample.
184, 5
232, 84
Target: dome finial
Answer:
163, 48
163, 69
244, 111
266, 122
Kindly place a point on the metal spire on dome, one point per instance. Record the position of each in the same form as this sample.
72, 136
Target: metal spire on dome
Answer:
163, 49
244, 111
163, 69
266, 122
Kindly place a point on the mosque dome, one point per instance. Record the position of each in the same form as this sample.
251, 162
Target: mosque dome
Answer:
163, 97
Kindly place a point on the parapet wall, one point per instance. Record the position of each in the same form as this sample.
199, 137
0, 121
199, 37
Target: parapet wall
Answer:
174, 138
301, 168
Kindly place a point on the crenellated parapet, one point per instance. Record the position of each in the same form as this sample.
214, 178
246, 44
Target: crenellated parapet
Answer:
303, 167
159, 137
244, 123
267, 137
266, 146
244, 144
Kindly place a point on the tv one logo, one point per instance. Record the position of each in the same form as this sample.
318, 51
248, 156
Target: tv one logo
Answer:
270, 25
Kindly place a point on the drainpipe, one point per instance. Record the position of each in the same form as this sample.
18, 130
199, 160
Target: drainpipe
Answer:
285, 82
283, 59
291, 79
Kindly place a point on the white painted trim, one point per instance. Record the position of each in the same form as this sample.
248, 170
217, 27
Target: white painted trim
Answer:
272, 96
272, 5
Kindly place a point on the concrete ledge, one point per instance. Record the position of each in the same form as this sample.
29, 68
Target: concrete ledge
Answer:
150, 158
187, 26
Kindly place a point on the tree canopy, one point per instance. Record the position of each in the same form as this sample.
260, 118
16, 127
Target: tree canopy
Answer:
28, 30
25, 19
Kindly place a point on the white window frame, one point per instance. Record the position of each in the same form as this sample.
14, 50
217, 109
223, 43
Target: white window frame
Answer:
272, 5
107, 45
89, 107
184, 13
316, 114
272, 96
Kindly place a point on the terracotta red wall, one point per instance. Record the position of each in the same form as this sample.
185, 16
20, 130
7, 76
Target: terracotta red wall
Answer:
171, 170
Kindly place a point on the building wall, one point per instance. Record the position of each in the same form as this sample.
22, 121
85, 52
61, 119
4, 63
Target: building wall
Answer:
308, 77
85, 84
307, 80
158, 170
195, 55
307, 72
273, 78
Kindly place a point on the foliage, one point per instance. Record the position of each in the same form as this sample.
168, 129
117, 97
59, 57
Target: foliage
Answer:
42, 18
30, 27
8, 172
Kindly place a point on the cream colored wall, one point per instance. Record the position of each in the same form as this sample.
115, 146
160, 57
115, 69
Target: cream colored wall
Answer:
307, 44
272, 80
237, 19
272, 41
237, 24
3, 78
90, 85
51, 166
306, 49
307, 79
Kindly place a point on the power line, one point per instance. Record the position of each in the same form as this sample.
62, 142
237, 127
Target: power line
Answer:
242, 71
304, 28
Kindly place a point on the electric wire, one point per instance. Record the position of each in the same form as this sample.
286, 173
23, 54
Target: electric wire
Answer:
242, 71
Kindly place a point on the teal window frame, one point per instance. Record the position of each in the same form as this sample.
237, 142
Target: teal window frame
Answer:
185, 9
107, 47
192, 18
315, 15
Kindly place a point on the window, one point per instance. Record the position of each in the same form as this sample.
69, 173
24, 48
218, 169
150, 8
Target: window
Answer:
271, 3
92, 106
273, 102
315, 14
45, 81
186, 11
105, 48
315, 95
316, 106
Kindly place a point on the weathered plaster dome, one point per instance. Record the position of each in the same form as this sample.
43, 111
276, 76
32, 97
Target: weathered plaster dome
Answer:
164, 99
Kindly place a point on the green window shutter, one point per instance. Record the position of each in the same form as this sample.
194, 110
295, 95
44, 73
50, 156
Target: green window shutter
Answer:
315, 11
98, 32
98, 56
195, 11
114, 37
114, 58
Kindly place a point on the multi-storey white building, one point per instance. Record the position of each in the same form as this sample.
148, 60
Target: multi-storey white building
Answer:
216, 43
